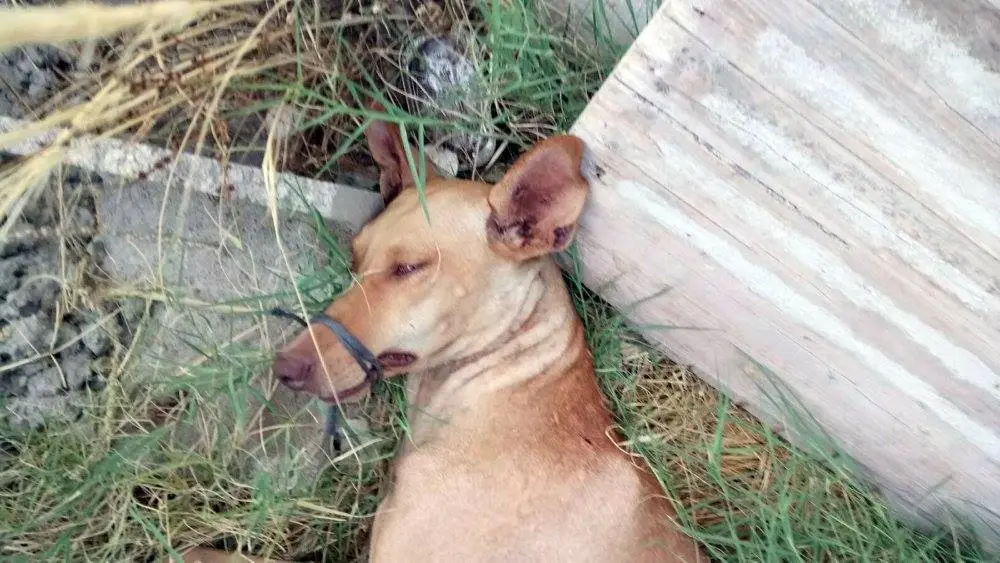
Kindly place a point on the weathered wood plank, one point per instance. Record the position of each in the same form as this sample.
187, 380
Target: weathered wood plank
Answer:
819, 185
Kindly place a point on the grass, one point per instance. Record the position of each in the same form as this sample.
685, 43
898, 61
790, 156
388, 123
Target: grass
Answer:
190, 449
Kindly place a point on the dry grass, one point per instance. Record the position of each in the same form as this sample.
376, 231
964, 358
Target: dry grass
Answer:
187, 86
88, 21
106, 101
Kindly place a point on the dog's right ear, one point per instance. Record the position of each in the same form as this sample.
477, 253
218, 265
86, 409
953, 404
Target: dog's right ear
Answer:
535, 207
386, 146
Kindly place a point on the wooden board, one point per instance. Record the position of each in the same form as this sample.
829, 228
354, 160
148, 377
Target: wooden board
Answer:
817, 186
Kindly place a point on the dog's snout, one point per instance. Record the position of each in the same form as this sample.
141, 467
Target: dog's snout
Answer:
291, 370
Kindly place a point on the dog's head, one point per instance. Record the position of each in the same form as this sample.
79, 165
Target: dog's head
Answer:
430, 292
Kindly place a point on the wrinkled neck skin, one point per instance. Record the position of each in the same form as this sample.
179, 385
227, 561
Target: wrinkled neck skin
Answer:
542, 337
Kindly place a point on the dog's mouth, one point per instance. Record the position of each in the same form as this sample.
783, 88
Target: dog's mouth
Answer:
391, 359
395, 359
346, 394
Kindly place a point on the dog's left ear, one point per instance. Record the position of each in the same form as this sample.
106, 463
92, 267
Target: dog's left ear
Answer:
386, 146
535, 206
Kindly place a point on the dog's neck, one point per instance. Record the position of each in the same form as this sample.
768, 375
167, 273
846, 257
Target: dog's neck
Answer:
544, 340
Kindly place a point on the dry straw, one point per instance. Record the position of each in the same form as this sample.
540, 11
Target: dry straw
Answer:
84, 20
114, 104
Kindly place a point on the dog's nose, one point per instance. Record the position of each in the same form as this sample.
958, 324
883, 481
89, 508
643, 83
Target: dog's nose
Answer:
291, 371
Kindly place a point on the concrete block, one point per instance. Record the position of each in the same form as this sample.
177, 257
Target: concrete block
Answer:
187, 173
223, 250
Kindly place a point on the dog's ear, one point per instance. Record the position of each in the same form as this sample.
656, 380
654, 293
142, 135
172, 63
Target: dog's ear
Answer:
386, 146
535, 206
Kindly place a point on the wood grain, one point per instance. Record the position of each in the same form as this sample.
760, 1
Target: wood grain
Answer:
818, 185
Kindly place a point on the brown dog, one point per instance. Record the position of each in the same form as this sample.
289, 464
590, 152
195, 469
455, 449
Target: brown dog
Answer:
512, 454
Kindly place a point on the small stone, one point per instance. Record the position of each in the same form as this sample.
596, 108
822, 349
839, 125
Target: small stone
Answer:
34, 412
282, 120
441, 69
24, 65
25, 335
96, 382
35, 89
39, 294
11, 274
441, 72
41, 210
132, 310
97, 341
67, 332
46, 383
444, 160
36, 56
75, 368
83, 219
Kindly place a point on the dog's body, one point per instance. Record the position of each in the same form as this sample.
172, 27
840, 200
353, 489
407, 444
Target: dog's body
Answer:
511, 454
510, 459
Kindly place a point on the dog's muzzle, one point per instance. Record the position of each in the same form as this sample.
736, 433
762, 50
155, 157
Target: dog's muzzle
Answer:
361, 354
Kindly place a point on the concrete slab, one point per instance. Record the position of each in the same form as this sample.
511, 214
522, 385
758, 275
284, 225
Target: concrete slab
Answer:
226, 253
226, 250
344, 205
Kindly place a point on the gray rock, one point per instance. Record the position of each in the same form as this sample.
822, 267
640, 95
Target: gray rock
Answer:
12, 270
29, 76
34, 411
82, 218
45, 383
35, 89
446, 77
132, 310
25, 336
67, 332
75, 370
42, 387
32, 296
443, 71
97, 341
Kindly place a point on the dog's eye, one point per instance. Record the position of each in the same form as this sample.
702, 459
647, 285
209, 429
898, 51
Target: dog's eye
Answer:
403, 270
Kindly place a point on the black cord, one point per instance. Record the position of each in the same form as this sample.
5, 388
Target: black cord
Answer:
279, 312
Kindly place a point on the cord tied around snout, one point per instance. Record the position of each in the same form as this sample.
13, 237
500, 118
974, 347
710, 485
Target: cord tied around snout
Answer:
361, 354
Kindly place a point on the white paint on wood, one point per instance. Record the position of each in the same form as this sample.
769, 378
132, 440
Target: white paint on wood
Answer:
864, 217
813, 197
771, 287
816, 261
963, 192
941, 54
959, 361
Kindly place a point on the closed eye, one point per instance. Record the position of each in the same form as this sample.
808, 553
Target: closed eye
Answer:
401, 270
